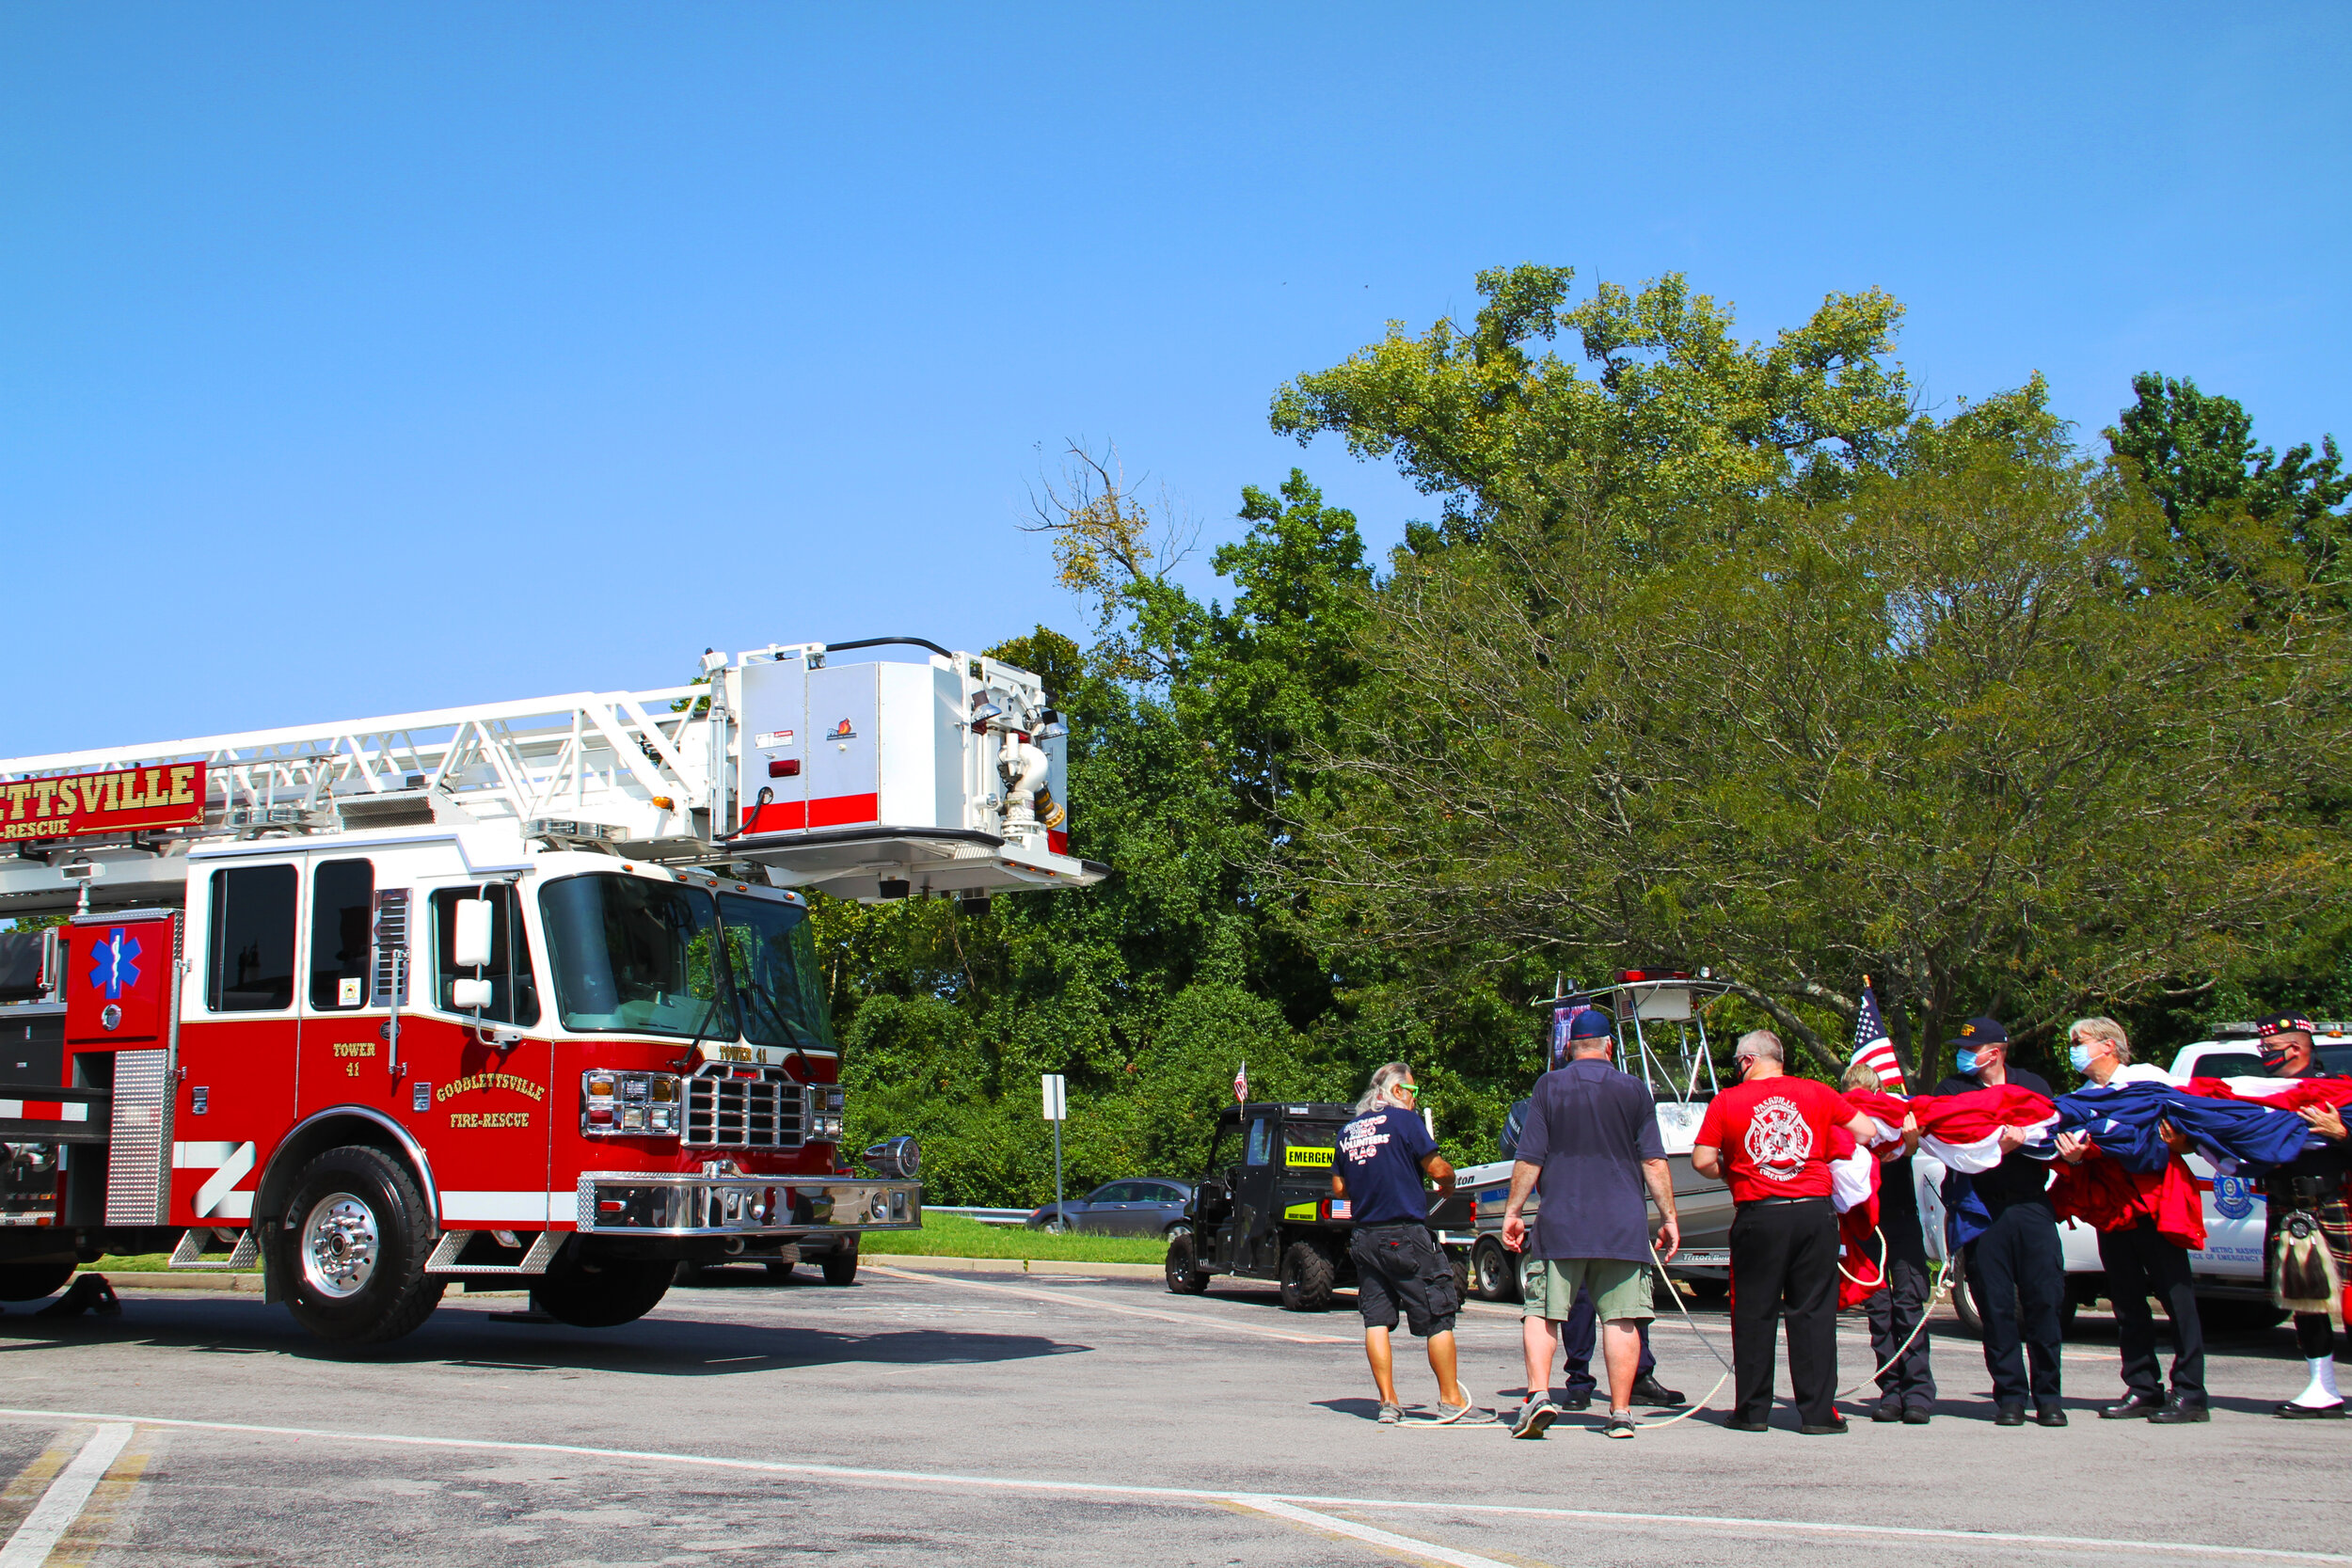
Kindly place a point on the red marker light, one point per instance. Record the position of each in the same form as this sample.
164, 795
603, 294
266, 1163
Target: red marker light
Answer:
785, 768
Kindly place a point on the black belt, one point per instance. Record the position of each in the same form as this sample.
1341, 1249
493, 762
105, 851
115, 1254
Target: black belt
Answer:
1776, 1203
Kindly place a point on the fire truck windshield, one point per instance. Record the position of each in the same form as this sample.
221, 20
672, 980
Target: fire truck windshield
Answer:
632, 955
773, 957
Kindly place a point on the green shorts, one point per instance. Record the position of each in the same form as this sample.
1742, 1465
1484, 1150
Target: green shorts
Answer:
1620, 1290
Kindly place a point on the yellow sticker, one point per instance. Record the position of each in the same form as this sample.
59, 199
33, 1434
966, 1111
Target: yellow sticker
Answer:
1306, 1157
1299, 1212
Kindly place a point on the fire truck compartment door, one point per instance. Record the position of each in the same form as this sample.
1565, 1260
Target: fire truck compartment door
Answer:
118, 980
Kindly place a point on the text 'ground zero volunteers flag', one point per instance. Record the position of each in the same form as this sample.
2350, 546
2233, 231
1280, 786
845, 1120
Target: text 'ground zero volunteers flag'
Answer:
1871, 1047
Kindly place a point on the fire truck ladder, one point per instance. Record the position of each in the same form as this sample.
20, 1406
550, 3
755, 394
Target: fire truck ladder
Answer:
622, 758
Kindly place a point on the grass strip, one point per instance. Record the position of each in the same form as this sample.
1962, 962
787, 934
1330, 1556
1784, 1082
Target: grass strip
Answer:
954, 1236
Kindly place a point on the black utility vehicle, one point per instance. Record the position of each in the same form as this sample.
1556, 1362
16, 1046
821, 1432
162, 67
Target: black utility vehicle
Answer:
1264, 1209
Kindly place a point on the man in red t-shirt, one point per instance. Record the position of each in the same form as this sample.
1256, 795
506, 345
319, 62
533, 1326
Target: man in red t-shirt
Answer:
1768, 1139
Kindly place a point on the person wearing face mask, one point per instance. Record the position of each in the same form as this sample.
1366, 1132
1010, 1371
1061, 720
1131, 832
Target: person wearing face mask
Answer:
2137, 1260
2312, 1185
1768, 1139
2016, 1269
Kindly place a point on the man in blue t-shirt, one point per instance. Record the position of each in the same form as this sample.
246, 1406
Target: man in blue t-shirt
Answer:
1382, 1156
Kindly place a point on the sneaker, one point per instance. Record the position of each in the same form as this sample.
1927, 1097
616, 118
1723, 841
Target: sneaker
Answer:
1651, 1392
1462, 1415
1620, 1424
1391, 1414
1534, 1416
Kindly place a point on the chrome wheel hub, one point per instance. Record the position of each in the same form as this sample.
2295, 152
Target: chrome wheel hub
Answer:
340, 1245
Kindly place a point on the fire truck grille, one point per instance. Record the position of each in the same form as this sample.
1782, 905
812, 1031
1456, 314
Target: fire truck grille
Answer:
744, 1113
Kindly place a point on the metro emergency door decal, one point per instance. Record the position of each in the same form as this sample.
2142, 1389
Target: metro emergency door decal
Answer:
229, 1164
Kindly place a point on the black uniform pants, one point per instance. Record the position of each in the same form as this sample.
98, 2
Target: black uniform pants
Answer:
2140, 1263
1784, 1262
2017, 1272
1579, 1334
1905, 1378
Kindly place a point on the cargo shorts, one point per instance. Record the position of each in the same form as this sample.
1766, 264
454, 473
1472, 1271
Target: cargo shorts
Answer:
1403, 1267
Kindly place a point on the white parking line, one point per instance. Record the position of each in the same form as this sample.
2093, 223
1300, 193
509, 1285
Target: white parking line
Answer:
1112, 1490
1408, 1545
63, 1502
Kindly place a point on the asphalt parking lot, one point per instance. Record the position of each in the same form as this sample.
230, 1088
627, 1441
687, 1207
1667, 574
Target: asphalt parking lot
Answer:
936, 1418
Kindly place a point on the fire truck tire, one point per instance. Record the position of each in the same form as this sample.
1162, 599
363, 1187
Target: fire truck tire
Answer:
32, 1281
602, 1292
353, 1251
840, 1266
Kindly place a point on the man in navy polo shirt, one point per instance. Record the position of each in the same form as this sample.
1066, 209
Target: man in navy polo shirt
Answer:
1591, 1145
1382, 1156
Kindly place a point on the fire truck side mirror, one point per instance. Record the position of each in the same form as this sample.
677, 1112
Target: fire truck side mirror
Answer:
468, 996
469, 945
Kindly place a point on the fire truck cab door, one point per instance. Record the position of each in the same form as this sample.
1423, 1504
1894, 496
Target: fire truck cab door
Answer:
477, 1084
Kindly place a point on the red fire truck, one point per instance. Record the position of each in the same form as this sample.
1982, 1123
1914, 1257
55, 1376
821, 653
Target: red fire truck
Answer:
521, 992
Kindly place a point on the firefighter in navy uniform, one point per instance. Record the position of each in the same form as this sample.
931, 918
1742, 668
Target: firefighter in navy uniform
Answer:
2016, 1268
2308, 1194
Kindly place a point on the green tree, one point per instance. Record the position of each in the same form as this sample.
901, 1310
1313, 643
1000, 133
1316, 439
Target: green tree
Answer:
1679, 413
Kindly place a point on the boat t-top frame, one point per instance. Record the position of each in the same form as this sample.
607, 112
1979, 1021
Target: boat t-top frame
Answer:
1660, 1017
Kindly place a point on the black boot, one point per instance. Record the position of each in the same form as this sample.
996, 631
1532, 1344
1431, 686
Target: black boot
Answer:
1650, 1391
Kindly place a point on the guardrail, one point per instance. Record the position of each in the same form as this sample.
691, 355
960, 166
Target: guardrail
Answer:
986, 1216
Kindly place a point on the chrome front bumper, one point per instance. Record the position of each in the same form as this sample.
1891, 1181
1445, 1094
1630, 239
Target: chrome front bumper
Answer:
645, 1203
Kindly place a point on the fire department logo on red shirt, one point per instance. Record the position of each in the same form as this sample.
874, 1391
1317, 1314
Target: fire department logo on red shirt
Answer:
1779, 1139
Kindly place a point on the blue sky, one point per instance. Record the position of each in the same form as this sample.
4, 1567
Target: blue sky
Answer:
359, 359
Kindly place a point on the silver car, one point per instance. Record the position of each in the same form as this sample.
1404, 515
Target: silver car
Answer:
1140, 1206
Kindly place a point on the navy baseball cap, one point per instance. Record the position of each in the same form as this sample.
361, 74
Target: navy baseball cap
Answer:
1979, 1032
1592, 1024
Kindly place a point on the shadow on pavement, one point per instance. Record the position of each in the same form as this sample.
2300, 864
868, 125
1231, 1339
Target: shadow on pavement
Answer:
655, 1346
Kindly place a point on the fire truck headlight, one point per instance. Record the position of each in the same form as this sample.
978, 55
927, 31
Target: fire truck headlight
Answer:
614, 1104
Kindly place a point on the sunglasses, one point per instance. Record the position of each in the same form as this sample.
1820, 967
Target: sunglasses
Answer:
1405, 1088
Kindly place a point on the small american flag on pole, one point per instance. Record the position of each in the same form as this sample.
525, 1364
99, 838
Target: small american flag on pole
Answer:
1871, 1047
1241, 1085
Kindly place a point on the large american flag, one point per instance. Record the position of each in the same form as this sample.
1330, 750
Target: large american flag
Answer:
1871, 1045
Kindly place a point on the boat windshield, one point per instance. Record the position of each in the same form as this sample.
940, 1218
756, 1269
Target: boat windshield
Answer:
773, 959
633, 955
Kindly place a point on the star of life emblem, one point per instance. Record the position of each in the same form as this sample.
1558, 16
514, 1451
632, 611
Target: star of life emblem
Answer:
1779, 1139
113, 966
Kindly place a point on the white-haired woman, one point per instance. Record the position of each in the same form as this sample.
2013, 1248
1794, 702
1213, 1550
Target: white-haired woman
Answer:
1383, 1154
2138, 1260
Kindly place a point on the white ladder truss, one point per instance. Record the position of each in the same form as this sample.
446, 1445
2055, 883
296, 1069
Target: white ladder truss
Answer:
602, 756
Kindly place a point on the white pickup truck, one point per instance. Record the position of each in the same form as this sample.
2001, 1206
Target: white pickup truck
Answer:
2229, 1269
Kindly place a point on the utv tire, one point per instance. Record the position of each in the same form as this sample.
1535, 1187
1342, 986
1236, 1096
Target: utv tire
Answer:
1185, 1277
1307, 1277
32, 1281
840, 1266
352, 1247
601, 1292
